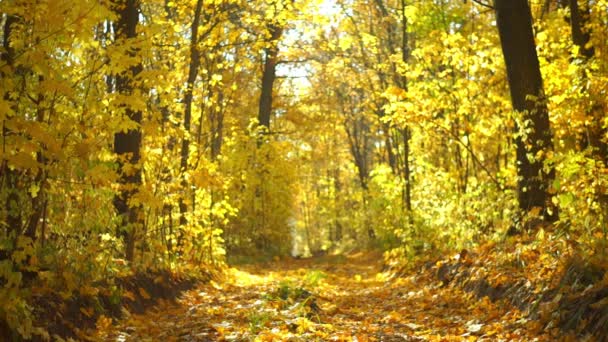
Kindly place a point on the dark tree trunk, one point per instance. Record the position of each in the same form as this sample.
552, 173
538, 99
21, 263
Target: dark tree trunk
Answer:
217, 129
269, 75
400, 166
406, 132
407, 172
127, 144
358, 139
337, 224
357, 130
9, 178
514, 21
37, 201
594, 137
580, 35
185, 151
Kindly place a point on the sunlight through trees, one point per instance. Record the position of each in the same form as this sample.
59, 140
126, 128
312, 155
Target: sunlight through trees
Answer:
152, 136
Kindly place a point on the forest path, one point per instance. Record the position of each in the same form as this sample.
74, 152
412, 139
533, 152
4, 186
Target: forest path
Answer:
340, 298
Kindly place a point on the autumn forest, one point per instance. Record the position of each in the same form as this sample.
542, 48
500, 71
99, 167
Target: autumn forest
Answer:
304, 170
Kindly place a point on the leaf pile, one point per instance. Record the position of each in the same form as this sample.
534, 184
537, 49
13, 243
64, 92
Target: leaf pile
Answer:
557, 290
76, 315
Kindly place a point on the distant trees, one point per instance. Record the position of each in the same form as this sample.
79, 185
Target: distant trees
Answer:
165, 132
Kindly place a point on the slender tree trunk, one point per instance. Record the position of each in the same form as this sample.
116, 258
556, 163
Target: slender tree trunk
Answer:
188, 97
407, 132
338, 190
218, 130
216, 126
407, 173
127, 144
514, 21
37, 200
165, 124
357, 131
9, 177
595, 134
580, 34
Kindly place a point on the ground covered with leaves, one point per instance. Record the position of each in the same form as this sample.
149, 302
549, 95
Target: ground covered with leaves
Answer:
350, 298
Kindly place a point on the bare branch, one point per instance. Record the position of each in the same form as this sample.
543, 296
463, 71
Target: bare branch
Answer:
481, 3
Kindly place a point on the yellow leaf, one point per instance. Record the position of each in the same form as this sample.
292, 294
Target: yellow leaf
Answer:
144, 293
33, 190
129, 295
103, 323
87, 312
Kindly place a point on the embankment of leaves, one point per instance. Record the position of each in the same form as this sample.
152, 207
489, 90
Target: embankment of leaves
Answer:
549, 281
75, 316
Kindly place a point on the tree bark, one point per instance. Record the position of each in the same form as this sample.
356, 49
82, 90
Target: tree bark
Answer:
188, 97
127, 144
400, 166
594, 136
9, 177
269, 75
514, 21
580, 35
37, 201
406, 132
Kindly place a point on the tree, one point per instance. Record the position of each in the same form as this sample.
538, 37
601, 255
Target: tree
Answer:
399, 163
269, 74
405, 132
580, 34
8, 176
533, 137
579, 18
188, 97
127, 143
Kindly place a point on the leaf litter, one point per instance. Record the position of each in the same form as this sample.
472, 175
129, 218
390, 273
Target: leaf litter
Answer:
326, 299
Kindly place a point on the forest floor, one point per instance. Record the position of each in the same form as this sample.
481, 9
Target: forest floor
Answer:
332, 298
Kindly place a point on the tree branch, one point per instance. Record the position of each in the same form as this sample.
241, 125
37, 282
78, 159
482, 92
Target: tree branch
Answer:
481, 3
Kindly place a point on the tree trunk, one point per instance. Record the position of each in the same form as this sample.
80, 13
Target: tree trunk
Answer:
406, 132
269, 75
580, 35
338, 190
579, 17
127, 144
216, 126
9, 177
37, 201
185, 151
407, 173
514, 21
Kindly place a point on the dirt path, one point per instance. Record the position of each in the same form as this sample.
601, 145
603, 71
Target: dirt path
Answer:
328, 299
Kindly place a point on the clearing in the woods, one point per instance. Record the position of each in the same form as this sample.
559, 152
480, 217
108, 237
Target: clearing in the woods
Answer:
332, 298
